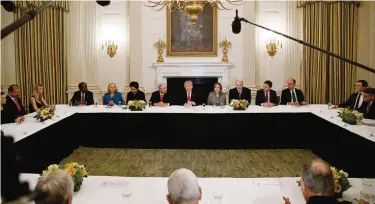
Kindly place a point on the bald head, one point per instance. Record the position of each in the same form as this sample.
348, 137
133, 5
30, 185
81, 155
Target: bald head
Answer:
239, 85
183, 187
317, 179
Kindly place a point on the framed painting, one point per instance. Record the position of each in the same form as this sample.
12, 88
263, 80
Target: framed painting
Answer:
187, 39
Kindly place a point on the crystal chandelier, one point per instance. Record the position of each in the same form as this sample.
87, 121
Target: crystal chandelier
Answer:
192, 7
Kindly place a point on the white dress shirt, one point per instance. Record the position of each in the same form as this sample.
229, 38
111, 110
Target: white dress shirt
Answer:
359, 100
291, 95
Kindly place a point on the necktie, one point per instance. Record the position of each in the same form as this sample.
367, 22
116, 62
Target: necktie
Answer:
189, 96
82, 96
267, 97
17, 104
294, 96
161, 98
239, 94
356, 104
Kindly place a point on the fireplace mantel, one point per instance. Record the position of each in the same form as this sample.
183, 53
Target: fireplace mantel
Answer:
193, 69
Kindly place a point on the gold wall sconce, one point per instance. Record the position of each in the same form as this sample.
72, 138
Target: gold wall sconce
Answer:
272, 46
224, 45
111, 47
160, 45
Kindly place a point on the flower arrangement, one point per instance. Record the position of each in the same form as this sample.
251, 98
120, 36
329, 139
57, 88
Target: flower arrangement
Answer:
45, 114
341, 182
239, 104
78, 172
136, 105
352, 117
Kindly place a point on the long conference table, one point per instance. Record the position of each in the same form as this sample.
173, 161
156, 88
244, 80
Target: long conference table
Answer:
313, 127
141, 190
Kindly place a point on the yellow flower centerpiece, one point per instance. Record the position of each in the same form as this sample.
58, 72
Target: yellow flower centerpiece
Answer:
78, 172
341, 182
351, 117
239, 104
137, 105
45, 114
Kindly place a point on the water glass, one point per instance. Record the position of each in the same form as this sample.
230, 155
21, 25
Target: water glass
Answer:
70, 104
120, 103
222, 105
217, 198
329, 106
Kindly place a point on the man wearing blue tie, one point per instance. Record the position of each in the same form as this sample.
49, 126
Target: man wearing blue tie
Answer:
368, 105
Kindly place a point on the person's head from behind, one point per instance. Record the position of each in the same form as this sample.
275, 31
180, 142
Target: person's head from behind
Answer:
267, 85
162, 88
361, 85
188, 86
317, 179
134, 86
218, 88
291, 83
58, 186
239, 85
369, 95
112, 88
82, 87
3, 99
183, 188
14, 91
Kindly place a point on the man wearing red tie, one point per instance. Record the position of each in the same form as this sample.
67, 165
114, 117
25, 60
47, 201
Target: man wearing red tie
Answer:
266, 97
13, 109
160, 98
189, 99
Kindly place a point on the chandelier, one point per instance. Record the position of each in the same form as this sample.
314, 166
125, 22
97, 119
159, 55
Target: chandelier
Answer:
192, 7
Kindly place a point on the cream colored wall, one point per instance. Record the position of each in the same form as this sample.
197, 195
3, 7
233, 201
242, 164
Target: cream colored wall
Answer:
366, 40
8, 66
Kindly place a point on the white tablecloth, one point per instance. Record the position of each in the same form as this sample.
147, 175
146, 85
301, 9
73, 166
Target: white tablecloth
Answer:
30, 126
109, 189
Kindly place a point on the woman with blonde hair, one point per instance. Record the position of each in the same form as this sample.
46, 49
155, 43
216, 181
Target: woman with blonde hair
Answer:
217, 97
37, 99
113, 96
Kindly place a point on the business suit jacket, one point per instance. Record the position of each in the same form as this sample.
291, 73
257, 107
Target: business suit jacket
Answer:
10, 110
322, 200
261, 97
89, 97
245, 94
213, 100
350, 102
371, 113
286, 96
194, 97
155, 98
140, 96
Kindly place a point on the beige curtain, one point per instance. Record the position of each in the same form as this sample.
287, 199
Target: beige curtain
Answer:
331, 26
41, 51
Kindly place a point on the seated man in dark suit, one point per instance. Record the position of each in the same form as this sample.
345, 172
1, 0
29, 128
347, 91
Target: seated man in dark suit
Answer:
13, 109
189, 98
83, 96
160, 98
356, 99
368, 107
266, 97
240, 92
291, 95
317, 184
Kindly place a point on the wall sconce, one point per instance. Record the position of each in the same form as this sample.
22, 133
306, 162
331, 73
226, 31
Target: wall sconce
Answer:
110, 46
272, 46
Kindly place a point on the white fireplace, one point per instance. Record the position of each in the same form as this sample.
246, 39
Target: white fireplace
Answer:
193, 69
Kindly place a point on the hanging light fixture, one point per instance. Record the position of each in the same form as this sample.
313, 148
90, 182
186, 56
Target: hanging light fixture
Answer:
192, 7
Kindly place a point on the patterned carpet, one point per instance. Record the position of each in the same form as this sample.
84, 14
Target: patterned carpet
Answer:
205, 163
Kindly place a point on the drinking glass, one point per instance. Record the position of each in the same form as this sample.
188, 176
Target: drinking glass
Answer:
70, 104
126, 194
204, 106
120, 103
217, 197
222, 105
329, 106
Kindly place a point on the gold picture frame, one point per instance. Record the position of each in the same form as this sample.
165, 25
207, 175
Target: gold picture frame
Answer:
207, 37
